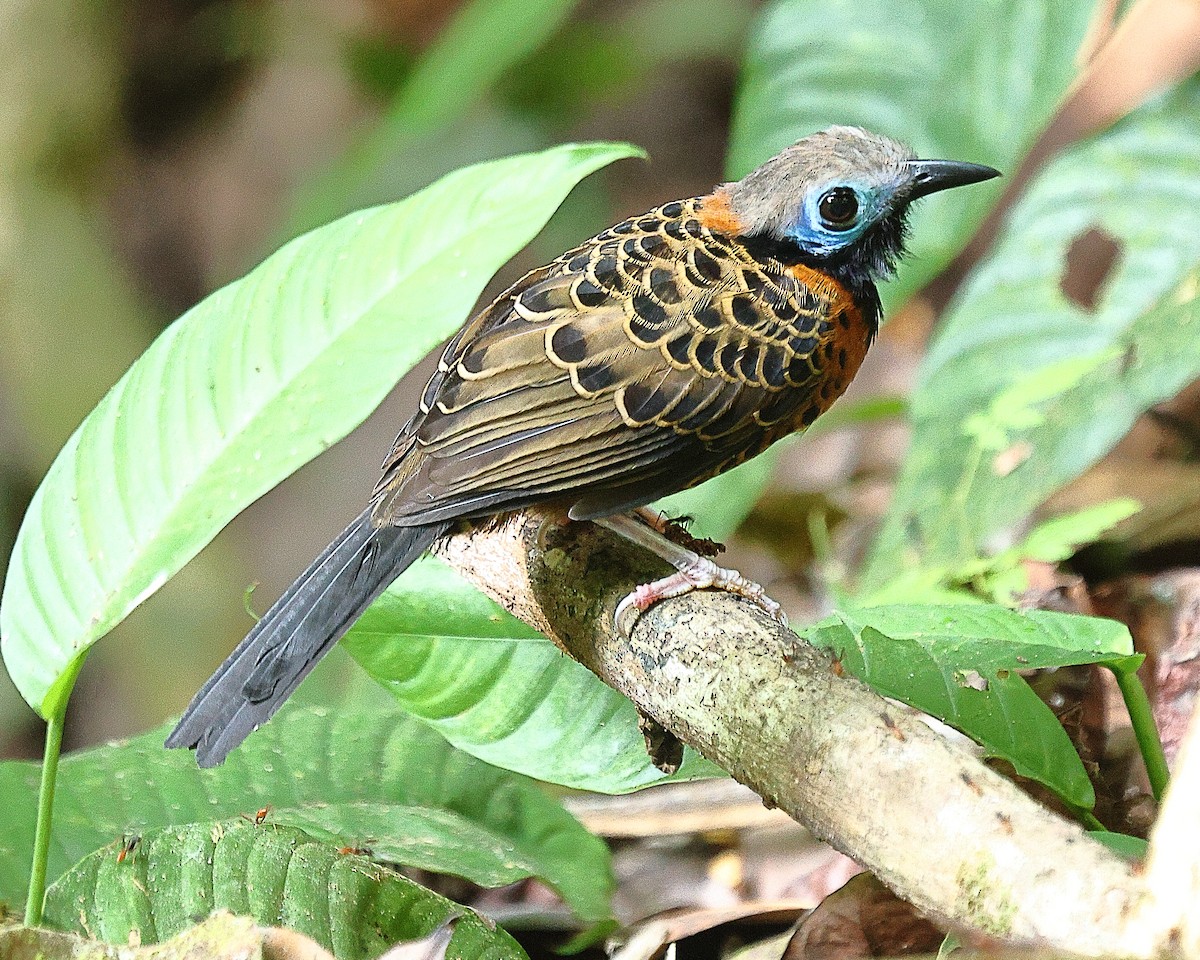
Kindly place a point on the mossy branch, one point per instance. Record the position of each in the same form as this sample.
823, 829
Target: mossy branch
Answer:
960, 842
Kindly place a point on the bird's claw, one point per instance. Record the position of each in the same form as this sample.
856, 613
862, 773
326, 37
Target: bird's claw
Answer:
698, 574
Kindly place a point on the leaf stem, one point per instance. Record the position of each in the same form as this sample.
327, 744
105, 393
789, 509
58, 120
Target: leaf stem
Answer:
41, 839
1090, 820
1142, 718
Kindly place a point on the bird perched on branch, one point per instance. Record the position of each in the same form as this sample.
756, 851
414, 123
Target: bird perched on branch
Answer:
667, 349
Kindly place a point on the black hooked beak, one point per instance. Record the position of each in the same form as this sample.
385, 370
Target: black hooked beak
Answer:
930, 176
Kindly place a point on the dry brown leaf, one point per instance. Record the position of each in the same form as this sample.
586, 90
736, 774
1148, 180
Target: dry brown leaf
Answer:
1177, 661
675, 808
1006, 461
862, 919
648, 939
1155, 45
769, 949
1052, 589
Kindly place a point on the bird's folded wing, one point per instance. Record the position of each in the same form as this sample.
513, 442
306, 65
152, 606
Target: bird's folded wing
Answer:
639, 363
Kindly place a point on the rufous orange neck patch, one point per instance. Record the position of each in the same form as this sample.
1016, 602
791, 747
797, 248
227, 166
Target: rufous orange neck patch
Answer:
715, 214
826, 286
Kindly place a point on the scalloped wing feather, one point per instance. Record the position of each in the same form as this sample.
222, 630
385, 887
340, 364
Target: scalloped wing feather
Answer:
642, 362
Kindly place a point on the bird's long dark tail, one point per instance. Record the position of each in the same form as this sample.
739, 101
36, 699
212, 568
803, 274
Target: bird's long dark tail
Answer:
299, 629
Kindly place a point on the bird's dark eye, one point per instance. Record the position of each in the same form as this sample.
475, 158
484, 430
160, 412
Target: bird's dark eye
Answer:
838, 208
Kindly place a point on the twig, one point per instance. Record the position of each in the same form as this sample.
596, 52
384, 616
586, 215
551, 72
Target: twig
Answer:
1168, 923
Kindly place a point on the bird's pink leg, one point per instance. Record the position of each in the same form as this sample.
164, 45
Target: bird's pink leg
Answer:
694, 572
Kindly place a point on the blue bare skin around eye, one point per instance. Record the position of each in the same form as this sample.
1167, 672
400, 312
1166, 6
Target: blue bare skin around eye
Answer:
812, 236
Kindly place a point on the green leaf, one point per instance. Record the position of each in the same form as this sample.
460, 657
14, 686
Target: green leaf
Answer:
243, 389
499, 690
613, 54
440, 841
336, 768
1003, 576
665, 32
485, 39
1024, 388
908, 68
278, 875
949, 946
960, 664
1054, 540
924, 585
1131, 848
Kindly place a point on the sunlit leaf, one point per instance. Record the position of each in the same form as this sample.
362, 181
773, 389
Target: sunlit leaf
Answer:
243, 389
961, 664
497, 689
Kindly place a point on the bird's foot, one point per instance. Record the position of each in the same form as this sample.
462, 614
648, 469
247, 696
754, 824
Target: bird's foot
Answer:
699, 575
693, 572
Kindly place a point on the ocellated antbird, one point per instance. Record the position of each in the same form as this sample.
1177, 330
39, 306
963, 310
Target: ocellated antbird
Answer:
653, 356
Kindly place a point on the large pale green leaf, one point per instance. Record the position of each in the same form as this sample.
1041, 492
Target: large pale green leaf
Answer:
331, 768
913, 70
276, 874
1024, 389
246, 387
499, 690
961, 664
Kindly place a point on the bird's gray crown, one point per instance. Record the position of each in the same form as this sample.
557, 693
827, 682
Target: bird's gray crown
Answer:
767, 199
